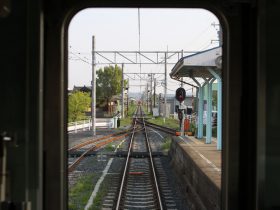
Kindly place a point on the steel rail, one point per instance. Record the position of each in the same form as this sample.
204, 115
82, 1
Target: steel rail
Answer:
153, 167
92, 141
126, 164
92, 148
150, 160
79, 159
162, 128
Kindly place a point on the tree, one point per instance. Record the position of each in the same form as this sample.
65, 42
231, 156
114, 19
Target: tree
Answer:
78, 103
108, 82
214, 100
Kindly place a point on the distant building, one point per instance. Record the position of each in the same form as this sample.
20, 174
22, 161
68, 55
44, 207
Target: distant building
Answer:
172, 104
85, 89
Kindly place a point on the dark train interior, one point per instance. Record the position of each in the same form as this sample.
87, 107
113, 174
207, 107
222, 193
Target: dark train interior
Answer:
34, 92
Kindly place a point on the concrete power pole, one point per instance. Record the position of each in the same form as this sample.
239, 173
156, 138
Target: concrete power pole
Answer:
93, 89
127, 99
147, 97
122, 93
165, 86
151, 95
155, 92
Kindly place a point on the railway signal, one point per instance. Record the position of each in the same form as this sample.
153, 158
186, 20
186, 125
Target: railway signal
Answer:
180, 94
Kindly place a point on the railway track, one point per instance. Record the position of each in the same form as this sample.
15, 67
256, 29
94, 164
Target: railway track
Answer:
161, 128
139, 186
143, 183
91, 145
92, 141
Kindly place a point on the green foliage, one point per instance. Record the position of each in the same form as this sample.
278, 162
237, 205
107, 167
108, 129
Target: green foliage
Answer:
80, 193
214, 131
126, 122
128, 119
169, 122
131, 110
109, 148
108, 82
103, 190
78, 104
166, 145
214, 98
192, 127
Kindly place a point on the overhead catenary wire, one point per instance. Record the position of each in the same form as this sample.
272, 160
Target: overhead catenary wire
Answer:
72, 50
80, 58
75, 55
129, 76
198, 36
206, 47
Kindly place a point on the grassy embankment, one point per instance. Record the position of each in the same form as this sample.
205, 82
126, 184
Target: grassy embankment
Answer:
173, 123
169, 122
102, 192
80, 192
128, 119
166, 145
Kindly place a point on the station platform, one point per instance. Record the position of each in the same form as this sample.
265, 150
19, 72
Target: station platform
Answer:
206, 156
198, 166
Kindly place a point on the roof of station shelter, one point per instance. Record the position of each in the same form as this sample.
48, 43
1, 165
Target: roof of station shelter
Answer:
197, 65
200, 68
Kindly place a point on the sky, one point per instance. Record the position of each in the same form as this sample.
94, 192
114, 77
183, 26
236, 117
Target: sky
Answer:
119, 29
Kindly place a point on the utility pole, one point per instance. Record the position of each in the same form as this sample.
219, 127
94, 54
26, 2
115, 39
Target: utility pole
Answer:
127, 97
151, 95
147, 97
192, 102
219, 32
165, 86
183, 113
155, 92
122, 110
93, 89
220, 35
182, 80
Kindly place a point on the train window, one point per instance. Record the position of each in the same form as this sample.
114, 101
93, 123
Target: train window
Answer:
127, 133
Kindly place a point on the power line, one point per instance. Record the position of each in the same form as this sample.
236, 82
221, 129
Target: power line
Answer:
130, 77
196, 38
79, 58
77, 52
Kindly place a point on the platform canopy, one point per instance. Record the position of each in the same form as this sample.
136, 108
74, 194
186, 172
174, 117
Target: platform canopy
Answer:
197, 65
201, 70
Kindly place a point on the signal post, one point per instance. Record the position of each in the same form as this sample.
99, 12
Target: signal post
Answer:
180, 96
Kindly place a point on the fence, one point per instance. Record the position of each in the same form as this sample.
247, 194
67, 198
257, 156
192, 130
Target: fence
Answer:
87, 124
